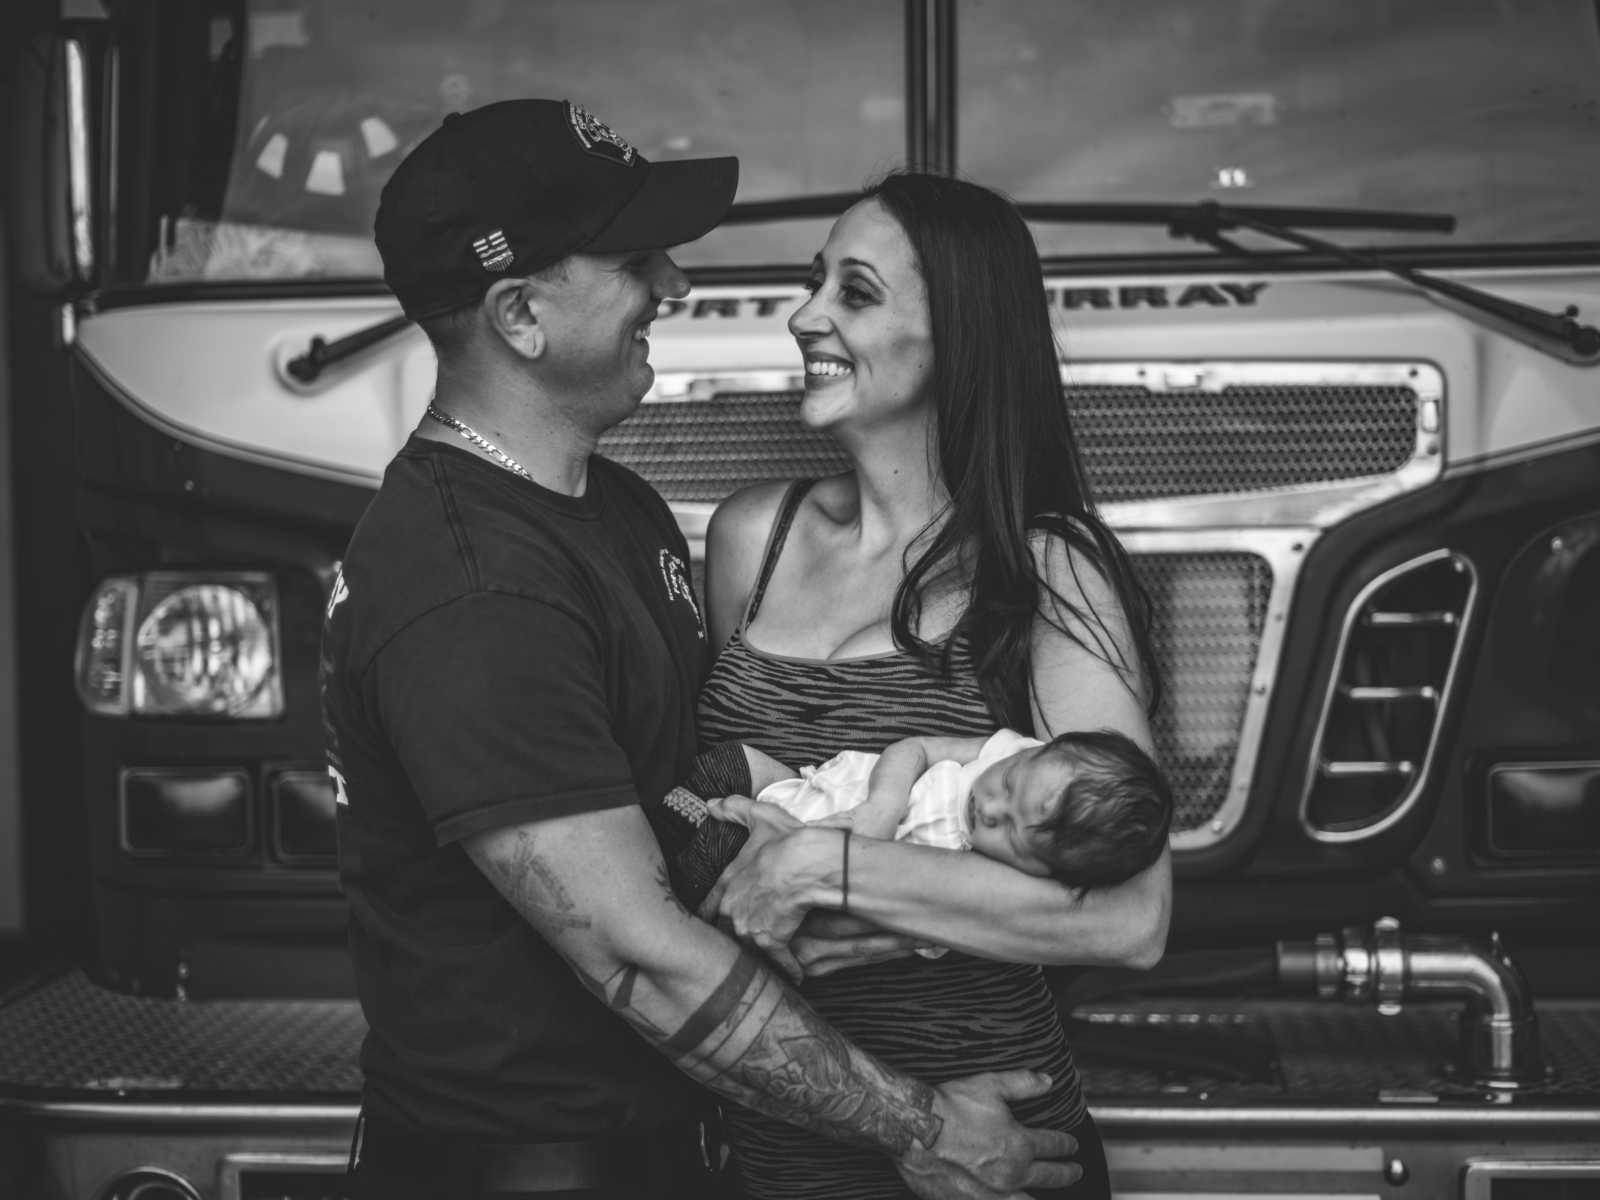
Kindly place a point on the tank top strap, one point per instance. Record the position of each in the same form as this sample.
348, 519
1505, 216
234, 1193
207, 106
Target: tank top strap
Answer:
775, 540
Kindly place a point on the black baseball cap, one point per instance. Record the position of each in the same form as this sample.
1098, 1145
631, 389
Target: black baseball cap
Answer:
516, 186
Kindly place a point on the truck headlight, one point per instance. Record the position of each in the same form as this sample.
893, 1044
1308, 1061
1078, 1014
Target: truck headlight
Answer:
179, 643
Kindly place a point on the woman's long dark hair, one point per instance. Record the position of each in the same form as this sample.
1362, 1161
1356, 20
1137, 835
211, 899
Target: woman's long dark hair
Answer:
1005, 450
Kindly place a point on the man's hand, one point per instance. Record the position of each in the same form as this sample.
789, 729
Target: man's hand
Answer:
768, 824
764, 821
981, 1151
782, 872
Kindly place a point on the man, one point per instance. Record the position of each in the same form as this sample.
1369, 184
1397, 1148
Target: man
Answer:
510, 662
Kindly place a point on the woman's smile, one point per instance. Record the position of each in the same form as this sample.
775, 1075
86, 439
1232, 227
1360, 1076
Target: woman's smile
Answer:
824, 369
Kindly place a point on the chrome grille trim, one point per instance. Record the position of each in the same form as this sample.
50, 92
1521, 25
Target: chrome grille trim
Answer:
201, 1112
1283, 551
676, 387
80, 192
1317, 504
1114, 1115
1395, 415
1416, 774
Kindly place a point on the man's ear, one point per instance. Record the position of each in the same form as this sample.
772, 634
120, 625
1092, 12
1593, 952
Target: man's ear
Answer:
513, 311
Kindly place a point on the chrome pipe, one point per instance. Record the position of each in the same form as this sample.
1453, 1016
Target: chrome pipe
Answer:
1499, 1031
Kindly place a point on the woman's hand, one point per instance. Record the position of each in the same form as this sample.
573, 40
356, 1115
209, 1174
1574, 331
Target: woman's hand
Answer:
828, 941
783, 871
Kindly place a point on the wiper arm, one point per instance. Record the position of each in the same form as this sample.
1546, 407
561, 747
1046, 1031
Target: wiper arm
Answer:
1207, 221
1174, 215
1204, 222
831, 204
322, 354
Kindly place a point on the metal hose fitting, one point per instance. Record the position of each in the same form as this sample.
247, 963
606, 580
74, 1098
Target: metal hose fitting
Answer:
1499, 1032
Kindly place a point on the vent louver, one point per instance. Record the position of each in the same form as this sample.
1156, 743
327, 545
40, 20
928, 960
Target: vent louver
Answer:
1392, 681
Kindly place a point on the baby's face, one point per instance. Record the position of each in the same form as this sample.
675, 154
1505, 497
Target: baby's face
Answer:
1011, 798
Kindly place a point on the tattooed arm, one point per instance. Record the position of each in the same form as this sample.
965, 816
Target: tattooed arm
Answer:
596, 888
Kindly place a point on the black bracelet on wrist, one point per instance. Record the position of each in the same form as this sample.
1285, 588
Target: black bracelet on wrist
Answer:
844, 875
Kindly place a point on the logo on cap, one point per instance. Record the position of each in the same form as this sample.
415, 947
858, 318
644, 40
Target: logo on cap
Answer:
595, 134
493, 251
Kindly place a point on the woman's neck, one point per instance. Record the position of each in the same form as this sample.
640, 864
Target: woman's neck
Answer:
898, 492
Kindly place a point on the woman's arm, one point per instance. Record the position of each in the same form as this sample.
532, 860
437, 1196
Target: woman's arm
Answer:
943, 897
963, 900
1074, 687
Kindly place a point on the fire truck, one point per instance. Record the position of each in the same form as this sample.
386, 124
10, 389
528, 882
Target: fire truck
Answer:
1326, 275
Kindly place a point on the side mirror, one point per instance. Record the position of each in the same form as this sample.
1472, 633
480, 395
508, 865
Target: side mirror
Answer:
52, 242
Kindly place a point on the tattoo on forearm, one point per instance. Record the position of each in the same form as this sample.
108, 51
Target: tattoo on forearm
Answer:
714, 1013
522, 876
751, 1040
664, 882
756, 1042
617, 995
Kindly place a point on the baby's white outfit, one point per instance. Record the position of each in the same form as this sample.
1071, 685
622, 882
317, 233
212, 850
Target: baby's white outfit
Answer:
937, 812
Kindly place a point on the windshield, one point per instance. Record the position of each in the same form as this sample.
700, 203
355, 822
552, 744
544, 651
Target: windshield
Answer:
1487, 109
330, 94
285, 117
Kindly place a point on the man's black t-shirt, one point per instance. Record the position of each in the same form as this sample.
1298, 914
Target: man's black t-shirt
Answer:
497, 653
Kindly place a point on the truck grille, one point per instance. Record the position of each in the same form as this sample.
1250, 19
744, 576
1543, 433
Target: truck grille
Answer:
1143, 445
1209, 613
699, 451
1239, 454
1137, 443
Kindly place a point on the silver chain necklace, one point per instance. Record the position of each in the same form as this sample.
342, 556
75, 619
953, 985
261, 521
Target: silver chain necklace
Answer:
481, 442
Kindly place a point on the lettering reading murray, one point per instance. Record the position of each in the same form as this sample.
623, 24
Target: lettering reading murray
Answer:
1191, 295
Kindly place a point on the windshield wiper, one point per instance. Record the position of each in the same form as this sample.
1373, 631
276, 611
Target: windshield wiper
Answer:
1207, 222
322, 354
831, 204
1278, 216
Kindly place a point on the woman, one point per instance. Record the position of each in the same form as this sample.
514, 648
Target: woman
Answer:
956, 580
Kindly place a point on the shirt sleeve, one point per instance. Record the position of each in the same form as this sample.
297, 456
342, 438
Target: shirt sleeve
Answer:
1003, 743
497, 709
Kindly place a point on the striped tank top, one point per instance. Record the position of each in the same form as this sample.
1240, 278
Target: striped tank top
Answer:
935, 1019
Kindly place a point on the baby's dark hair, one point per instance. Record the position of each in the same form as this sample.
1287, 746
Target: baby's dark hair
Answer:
1113, 818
